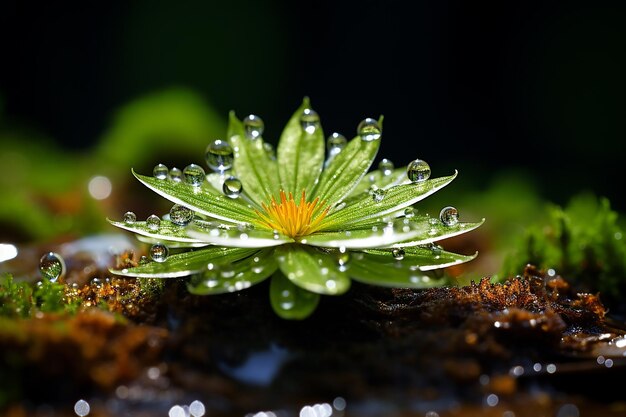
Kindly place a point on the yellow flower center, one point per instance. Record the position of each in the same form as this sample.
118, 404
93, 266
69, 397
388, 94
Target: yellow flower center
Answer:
290, 218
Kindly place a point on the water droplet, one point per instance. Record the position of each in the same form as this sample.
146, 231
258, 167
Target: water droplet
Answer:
435, 249
219, 155
309, 120
343, 260
253, 126
176, 175
51, 266
335, 143
378, 195
369, 130
81, 408
409, 212
159, 252
449, 216
153, 222
232, 187
398, 254
194, 175
181, 215
129, 217
418, 171
269, 150
386, 167
160, 172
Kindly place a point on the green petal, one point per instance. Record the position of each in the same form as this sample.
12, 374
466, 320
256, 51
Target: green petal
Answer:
370, 270
300, 154
231, 277
236, 237
312, 269
201, 200
383, 235
255, 168
290, 301
167, 231
424, 258
186, 263
436, 231
380, 180
361, 210
345, 170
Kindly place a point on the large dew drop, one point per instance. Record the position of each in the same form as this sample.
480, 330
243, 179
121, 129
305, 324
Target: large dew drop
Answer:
309, 120
253, 126
181, 215
176, 175
449, 216
194, 175
232, 187
418, 171
153, 222
335, 143
369, 130
160, 172
159, 252
219, 155
51, 266
129, 217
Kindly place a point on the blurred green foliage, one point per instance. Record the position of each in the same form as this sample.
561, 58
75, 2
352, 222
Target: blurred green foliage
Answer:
45, 188
583, 242
24, 299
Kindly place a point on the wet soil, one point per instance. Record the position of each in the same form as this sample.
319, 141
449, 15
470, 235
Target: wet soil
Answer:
531, 346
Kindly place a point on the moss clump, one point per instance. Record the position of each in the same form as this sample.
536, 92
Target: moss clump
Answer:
23, 299
583, 241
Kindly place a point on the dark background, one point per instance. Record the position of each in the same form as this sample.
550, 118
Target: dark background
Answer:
478, 86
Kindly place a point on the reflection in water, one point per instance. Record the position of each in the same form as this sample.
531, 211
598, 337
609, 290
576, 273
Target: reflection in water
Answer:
7, 251
259, 368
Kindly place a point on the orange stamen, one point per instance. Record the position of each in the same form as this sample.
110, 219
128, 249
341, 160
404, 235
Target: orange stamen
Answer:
290, 218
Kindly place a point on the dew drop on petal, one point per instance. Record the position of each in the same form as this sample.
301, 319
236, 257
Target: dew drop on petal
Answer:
309, 120
409, 212
159, 252
269, 150
253, 126
232, 187
181, 215
160, 172
176, 175
153, 222
194, 175
398, 254
335, 143
129, 217
418, 171
369, 130
378, 195
219, 155
51, 266
449, 216
386, 167
82, 408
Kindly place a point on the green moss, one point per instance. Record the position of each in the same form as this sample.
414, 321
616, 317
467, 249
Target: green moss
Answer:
23, 299
583, 242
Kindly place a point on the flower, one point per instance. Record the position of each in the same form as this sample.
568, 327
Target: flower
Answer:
310, 218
